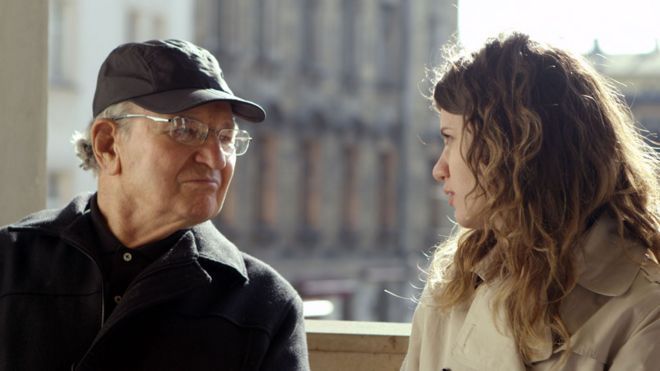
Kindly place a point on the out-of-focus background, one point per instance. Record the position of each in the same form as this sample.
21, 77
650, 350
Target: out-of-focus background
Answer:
336, 191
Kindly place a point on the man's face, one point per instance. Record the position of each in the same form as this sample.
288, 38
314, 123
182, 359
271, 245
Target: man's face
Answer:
179, 185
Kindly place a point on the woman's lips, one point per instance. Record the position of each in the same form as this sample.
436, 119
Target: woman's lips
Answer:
450, 197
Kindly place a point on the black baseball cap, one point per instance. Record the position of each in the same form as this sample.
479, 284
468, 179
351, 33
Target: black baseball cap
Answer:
167, 76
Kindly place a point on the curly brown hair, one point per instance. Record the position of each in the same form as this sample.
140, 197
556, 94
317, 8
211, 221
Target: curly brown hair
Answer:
554, 146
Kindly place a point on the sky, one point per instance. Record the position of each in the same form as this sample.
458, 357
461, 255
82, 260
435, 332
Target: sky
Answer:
621, 27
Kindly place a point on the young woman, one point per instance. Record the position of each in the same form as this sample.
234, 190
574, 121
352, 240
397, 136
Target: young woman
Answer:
556, 193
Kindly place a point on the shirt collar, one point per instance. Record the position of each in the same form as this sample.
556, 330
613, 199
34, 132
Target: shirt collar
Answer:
108, 242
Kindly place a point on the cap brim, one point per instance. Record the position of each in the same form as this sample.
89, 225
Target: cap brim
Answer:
174, 101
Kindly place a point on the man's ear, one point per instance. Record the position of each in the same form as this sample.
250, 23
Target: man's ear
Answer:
104, 137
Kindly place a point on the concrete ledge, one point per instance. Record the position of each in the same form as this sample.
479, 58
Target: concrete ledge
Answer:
359, 346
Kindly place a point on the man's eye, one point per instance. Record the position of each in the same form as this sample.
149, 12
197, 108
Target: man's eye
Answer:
226, 139
184, 133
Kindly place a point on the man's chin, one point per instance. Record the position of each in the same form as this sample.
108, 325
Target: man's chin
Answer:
202, 212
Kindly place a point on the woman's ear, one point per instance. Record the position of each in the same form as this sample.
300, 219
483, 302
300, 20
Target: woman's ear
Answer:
104, 137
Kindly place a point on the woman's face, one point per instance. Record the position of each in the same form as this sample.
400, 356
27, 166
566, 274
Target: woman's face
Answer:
452, 170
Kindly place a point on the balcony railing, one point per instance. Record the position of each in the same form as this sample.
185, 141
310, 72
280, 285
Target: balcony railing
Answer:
356, 346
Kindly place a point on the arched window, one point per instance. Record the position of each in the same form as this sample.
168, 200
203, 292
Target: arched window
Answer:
349, 64
310, 53
266, 31
388, 160
310, 129
310, 196
265, 201
350, 197
390, 51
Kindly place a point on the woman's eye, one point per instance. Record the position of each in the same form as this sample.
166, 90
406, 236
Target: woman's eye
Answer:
446, 138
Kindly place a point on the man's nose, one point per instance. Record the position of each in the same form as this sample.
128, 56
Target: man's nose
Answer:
211, 154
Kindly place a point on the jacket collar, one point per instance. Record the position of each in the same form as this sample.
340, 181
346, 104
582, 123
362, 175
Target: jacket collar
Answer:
72, 224
214, 247
483, 342
607, 264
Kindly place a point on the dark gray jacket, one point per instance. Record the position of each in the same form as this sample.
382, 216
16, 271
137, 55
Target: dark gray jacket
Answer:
204, 305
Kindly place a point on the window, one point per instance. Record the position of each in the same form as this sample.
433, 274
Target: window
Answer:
310, 203
391, 46
310, 48
387, 196
61, 32
349, 197
348, 61
60, 188
217, 28
266, 30
435, 40
266, 196
143, 25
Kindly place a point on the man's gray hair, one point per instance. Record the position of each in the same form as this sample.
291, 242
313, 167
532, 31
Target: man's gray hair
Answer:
82, 141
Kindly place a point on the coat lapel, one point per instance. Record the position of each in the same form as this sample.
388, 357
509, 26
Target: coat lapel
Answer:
481, 343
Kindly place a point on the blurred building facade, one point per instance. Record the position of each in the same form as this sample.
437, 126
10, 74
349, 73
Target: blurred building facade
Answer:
637, 76
336, 191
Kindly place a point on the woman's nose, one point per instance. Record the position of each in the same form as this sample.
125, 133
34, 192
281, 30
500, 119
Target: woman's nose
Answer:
440, 169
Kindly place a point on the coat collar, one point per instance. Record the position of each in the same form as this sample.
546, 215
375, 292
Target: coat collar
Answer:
483, 343
214, 247
607, 265
72, 223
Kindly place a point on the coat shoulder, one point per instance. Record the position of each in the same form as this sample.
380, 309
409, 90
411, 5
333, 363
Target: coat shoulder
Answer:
651, 271
266, 278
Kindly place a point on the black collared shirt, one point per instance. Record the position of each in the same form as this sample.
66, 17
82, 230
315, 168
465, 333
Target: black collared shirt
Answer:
119, 264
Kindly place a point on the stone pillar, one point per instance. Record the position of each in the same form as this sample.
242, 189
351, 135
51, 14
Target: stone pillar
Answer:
23, 107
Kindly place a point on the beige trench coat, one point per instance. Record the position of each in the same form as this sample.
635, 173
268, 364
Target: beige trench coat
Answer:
613, 314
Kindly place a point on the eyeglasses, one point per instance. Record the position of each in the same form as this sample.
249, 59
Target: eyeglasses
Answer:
191, 132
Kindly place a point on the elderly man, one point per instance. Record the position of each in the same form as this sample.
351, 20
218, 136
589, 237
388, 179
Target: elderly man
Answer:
135, 276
